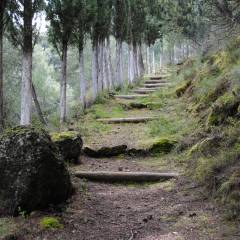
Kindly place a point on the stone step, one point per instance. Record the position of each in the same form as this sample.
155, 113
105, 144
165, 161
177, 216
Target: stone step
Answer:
135, 96
127, 120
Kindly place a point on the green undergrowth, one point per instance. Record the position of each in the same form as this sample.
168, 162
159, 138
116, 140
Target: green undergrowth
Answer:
50, 223
210, 87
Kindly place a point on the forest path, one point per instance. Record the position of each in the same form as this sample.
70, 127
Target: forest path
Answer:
171, 210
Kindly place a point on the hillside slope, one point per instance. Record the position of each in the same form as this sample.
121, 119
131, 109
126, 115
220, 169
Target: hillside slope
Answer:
210, 86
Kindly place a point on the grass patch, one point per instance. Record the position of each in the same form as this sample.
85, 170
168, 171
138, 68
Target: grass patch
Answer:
7, 227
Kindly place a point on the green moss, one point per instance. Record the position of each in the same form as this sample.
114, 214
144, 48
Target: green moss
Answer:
21, 130
56, 137
226, 106
183, 88
163, 146
230, 195
205, 147
50, 223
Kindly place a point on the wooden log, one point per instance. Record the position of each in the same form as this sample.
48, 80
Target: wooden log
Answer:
143, 91
125, 176
155, 81
159, 85
127, 120
130, 96
105, 152
159, 77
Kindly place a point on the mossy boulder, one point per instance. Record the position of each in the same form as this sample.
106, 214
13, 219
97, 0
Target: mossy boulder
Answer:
69, 144
225, 106
163, 145
206, 146
32, 174
183, 88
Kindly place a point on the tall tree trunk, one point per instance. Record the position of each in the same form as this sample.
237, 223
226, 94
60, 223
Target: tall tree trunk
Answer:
63, 87
118, 63
105, 66
141, 63
130, 63
37, 105
1, 68
109, 62
100, 66
135, 61
94, 70
82, 78
121, 64
153, 61
26, 92
148, 60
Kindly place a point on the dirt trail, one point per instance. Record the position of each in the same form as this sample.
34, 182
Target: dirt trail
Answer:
172, 210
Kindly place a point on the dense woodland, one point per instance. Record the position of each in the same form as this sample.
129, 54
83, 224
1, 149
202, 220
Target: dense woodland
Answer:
88, 47
119, 119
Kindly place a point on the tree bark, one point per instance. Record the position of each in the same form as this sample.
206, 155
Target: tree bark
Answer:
1, 68
82, 78
94, 70
37, 105
63, 87
26, 92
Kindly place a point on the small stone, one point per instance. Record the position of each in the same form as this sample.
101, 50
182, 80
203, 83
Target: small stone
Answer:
120, 169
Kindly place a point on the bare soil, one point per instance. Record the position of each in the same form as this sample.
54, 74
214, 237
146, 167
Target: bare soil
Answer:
172, 210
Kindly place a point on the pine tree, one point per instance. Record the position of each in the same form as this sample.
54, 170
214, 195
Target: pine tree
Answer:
62, 15
22, 32
79, 36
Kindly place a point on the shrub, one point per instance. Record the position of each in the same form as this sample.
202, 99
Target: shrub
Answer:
50, 223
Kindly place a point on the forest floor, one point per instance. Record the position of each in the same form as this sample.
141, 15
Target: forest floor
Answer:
171, 210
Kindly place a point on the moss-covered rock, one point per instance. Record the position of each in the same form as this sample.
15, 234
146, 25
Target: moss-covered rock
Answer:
32, 174
206, 146
225, 106
163, 145
69, 144
183, 88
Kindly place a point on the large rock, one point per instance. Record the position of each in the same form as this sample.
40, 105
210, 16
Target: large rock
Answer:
162, 146
32, 176
69, 144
